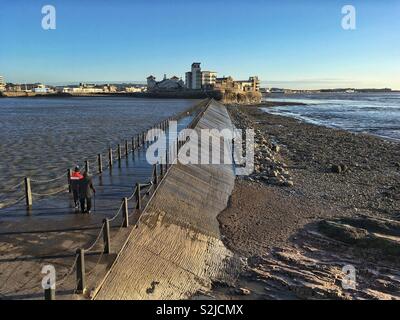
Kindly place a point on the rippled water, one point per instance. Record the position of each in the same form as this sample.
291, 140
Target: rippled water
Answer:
42, 137
377, 114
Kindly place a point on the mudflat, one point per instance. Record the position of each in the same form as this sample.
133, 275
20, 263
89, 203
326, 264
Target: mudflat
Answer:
321, 202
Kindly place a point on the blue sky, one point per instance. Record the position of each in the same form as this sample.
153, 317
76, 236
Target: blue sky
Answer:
294, 44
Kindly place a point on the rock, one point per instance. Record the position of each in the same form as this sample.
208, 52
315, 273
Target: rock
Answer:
361, 238
397, 164
276, 148
339, 168
243, 291
288, 183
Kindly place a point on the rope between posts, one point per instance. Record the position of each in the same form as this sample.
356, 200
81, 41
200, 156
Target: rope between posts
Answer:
133, 194
70, 270
50, 193
13, 204
97, 239
118, 212
16, 186
47, 181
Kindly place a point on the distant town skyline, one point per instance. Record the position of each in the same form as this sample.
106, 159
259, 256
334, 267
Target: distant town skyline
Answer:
289, 44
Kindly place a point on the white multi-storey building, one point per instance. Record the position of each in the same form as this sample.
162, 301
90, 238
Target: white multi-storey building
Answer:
208, 79
197, 79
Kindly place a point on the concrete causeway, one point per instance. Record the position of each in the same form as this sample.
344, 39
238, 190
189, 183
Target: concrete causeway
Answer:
53, 231
177, 250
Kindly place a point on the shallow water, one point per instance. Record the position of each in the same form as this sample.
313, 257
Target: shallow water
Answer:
377, 114
42, 137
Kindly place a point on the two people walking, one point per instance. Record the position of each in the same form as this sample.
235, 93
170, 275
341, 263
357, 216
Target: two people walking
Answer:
82, 190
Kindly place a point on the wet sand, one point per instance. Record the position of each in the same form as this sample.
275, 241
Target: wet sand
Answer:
298, 221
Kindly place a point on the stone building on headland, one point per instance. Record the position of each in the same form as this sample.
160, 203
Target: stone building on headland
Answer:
167, 84
227, 83
197, 79
205, 84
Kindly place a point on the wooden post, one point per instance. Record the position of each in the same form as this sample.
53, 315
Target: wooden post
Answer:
126, 148
110, 157
138, 197
80, 271
138, 140
87, 166
126, 213
100, 163
28, 193
161, 169
155, 176
106, 236
166, 159
119, 152
49, 294
133, 144
69, 174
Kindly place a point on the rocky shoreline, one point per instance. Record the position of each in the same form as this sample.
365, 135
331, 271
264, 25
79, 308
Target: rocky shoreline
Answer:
320, 199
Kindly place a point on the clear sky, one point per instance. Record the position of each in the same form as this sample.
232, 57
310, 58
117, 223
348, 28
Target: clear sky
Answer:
293, 44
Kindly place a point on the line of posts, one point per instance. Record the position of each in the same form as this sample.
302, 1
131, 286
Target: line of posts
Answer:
136, 142
157, 174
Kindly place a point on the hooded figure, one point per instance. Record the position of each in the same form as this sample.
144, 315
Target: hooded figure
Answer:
86, 191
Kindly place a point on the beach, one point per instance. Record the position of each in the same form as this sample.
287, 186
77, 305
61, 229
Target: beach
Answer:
320, 199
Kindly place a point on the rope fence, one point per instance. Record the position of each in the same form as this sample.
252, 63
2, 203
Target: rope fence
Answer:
141, 191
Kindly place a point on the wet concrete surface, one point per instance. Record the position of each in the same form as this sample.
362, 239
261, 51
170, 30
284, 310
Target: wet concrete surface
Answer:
177, 251
54, 230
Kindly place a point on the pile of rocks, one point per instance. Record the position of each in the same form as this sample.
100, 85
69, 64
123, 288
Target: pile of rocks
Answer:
269, 167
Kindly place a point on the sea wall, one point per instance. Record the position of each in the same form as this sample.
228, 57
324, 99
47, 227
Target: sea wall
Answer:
176, 249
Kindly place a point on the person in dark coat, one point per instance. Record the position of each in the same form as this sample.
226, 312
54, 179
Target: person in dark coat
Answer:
86, 191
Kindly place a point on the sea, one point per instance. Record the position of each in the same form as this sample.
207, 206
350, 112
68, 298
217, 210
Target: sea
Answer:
373, 113
43, 137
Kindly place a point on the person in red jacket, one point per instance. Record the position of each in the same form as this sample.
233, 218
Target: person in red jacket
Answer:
76, 177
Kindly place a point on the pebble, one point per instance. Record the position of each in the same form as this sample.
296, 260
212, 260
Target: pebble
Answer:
244, 291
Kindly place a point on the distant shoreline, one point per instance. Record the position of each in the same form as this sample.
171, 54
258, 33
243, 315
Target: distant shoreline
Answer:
224, 96
161, 95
